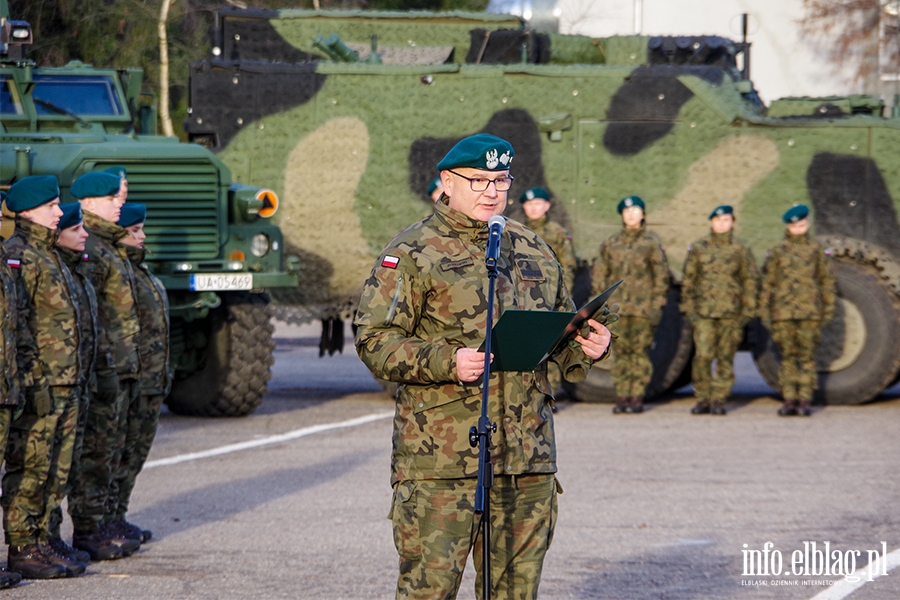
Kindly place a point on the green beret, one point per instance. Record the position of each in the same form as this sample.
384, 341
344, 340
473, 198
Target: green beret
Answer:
435, 184
117, 171
725, 209
71, 216
630, 201
32, 191
96, 185
534, 193
796, 213
480, 151
132, 214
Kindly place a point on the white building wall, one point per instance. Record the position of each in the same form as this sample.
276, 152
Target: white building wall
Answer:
782, 64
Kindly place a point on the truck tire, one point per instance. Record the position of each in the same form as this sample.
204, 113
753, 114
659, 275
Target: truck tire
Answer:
670, 354
864, 331
236, 368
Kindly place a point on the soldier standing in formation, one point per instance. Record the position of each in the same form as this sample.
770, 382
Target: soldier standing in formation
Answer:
9, 380
718, 295
156, 376
38, 454
797, 299
637, 256
117, 383
536, 202
70, 247
421, 317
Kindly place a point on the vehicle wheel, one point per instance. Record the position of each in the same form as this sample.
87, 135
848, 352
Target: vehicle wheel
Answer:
236, 364
670, 355
858, 356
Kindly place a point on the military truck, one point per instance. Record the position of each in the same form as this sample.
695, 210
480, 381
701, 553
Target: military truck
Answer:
346, 114
210, 239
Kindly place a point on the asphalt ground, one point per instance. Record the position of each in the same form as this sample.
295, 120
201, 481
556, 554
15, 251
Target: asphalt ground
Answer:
657, 505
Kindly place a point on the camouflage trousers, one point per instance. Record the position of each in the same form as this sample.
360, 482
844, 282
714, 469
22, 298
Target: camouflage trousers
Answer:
100, 456
715, 343
797, 340
34, 467
143, 419
435, 527
632, 369
55, 513
5, 419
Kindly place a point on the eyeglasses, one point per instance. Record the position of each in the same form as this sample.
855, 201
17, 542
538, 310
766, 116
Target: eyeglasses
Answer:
480, 184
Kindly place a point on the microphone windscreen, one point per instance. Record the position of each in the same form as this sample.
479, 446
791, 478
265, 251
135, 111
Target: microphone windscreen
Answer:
497, 220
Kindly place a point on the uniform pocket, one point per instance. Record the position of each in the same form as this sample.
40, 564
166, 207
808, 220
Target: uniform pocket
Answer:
405, 521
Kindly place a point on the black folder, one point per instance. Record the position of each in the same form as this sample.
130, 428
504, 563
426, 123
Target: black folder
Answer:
523, 339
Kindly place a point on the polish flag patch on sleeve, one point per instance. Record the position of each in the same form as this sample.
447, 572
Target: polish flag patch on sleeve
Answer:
390, 262
13, 263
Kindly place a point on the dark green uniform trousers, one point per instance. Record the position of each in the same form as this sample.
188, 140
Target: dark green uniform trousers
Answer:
797, 340
143, 420
631, 368
715, 343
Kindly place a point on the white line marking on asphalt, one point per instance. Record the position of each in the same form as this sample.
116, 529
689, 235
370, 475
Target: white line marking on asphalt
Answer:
273, 439
844, 588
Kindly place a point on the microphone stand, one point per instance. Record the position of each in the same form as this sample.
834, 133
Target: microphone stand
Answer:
480, 436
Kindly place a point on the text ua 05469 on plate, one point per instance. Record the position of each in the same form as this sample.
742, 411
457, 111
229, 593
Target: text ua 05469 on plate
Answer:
221, 282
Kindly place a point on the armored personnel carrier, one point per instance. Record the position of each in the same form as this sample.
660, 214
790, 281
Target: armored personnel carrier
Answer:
210, 238
345, 114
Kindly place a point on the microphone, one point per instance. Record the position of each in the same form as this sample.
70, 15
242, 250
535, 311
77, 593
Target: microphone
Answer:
496, 224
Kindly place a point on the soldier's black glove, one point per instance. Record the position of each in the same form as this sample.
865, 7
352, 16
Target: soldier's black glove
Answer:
37, 401
107, 386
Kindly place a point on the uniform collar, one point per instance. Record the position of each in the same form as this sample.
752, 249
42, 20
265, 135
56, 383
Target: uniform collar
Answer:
135, 254
796, 239
35, 233
70, 257
531, 224
634, 232
721, 238
458, 223
106, 230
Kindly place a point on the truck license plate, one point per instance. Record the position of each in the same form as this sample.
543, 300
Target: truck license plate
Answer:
216, 282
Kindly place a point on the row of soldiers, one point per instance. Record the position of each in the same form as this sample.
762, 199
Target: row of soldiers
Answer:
85, 359
721, 292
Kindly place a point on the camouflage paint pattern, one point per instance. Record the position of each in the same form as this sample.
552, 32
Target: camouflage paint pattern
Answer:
631, 367
715, 343
55, 518
797, 283
560, 242
720, 279
424, 300
66, 401
130, 406
435, 529
113, 282
637, 257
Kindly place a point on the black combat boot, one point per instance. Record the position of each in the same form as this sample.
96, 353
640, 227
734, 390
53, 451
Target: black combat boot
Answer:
636, 405
621, 406
9, 579
804, 410
718, 408
60, 547
73, 567
96, 545
130, 530
31, 563
127, 546
701, 408
789, 409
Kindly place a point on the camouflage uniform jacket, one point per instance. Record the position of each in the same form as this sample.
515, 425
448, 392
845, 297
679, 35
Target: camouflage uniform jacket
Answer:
637, 256
113, 281
88, 320
424, 300
47, 329
560, 242
720, 279
153, 312
9, 381
797, 282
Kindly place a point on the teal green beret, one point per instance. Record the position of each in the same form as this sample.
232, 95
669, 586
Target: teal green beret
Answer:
480, 151
796, 213
32, 191
725, 209
630, 201
132, 214
435, 184
117, 171
533, 193
71, 217
96, 185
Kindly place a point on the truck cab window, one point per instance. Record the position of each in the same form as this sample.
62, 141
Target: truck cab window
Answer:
78, 94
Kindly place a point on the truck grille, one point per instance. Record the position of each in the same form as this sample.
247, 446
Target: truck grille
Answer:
183, 214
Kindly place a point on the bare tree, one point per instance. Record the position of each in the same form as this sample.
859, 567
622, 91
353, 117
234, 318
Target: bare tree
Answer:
164, 115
